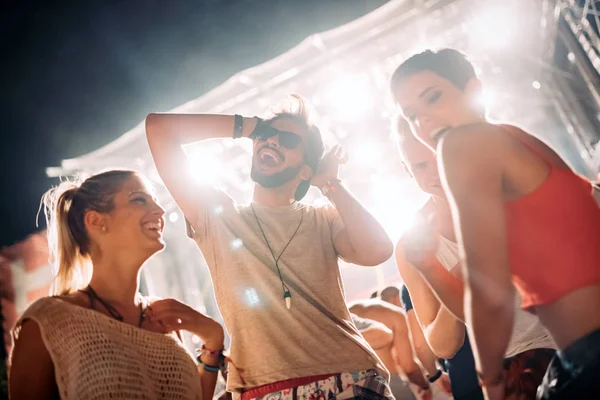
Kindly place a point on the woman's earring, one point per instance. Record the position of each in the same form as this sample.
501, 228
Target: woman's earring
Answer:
104, 228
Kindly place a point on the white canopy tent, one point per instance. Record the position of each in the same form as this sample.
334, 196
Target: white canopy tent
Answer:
344, 73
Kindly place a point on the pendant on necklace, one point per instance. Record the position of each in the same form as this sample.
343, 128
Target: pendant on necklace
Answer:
288, 299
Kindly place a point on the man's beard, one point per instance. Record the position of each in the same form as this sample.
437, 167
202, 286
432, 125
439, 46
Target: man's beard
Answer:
274, 180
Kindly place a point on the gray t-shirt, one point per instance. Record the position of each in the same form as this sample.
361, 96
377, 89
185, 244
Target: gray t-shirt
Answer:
270, 343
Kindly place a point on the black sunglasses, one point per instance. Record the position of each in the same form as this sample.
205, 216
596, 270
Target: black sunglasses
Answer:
289, 140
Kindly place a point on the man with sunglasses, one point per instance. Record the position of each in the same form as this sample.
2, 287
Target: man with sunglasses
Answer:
274, 262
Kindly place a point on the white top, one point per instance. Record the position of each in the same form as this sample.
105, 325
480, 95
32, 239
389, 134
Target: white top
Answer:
528, 333
98, 357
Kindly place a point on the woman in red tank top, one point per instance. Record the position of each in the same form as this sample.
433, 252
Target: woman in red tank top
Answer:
521, 214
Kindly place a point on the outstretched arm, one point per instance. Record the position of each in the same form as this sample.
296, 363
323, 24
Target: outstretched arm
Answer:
167, 133
476, 198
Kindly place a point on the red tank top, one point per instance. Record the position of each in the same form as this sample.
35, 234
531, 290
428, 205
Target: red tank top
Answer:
553, 236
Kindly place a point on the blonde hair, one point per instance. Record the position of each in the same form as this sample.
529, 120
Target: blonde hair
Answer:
295, 107
65, 207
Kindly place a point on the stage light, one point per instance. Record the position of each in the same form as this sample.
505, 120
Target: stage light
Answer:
366, 153
494, 27
395, 202
252, 297
203, 163
320, 201
350, 96
246, 186
485, 99
173, 217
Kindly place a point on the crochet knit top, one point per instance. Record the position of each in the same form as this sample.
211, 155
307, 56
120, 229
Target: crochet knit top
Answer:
98, 357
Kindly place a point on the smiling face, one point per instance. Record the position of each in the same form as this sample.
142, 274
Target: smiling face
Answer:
432, 105
136, 222
280, 159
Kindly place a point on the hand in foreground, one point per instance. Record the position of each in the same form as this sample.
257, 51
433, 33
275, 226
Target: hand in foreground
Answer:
329, 166
174, 315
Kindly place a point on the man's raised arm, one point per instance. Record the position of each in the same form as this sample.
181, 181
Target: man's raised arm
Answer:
167, 133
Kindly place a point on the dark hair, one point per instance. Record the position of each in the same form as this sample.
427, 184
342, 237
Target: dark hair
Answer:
375, 294
300, 111
65, 207
450, 64
389, 292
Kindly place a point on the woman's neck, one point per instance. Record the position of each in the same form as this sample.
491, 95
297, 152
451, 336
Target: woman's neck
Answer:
116, 282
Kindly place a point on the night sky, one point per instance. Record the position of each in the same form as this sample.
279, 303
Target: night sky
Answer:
75, 75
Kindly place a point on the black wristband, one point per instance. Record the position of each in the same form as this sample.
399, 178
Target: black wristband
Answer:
238, 126
435, 377
259, 123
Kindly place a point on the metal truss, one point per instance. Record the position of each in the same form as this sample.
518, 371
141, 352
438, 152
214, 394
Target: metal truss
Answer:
575, 84
583, 18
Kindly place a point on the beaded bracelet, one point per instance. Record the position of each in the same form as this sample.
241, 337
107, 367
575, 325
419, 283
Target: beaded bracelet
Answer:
213, 353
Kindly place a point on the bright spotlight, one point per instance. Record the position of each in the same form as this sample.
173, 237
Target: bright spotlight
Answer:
485, 100
395, 203
350, 96
203, 163
252, 297
173, 217
367, 153
494, 27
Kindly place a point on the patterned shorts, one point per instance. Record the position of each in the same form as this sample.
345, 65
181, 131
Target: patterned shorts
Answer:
345, 386
525, 372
